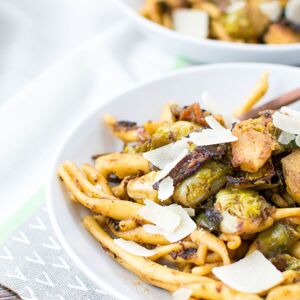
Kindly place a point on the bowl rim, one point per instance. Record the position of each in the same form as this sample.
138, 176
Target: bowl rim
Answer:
78, 261
169, 33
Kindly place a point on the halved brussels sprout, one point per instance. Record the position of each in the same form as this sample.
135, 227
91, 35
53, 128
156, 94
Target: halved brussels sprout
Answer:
140, 188
206, 181
244, 211
247, 23
277, 239
284, 262
169, 133
209, 219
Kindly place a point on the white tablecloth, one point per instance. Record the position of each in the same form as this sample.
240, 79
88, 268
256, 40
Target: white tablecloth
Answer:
59, 59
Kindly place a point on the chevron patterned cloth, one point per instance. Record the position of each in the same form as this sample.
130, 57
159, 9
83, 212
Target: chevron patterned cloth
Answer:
33, 263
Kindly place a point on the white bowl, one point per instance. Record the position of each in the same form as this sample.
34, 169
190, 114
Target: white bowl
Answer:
227, 83
208, 50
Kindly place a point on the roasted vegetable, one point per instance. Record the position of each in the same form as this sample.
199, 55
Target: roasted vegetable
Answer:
169, 133
247, 23
205, 182
195, 160
284, 262
277, 239
255, 145
209, 218
291, 171
261, 178
281, 34
244, 211
140, 188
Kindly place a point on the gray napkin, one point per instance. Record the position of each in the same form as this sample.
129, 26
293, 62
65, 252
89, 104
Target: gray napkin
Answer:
34, 265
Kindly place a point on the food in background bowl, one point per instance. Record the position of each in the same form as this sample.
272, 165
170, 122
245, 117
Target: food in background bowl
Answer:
197, 205
252, 21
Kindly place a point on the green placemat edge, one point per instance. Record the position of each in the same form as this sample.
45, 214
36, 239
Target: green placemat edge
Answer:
22, 214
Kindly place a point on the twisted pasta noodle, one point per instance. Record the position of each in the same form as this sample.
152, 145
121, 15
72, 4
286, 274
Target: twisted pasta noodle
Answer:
69, 169
126, 225
290, 276
140, 188
148, 270
233, 241
139, 235
213, 257
258, 92
96, 178
201, 254
217, 291
285, 292
108, 206
122, 164
127, 135
282, 213
212, 243
205, 269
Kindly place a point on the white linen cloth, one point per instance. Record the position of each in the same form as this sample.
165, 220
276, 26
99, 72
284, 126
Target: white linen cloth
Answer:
59, 59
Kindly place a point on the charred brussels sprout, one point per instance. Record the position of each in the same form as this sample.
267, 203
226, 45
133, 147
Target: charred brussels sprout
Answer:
243, 211
247, 23
169, 133
285, 262
205, 182
210, 219
277, 239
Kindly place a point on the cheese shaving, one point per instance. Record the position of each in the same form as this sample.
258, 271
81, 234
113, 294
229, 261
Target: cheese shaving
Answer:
252, 274
186, 226
165, 188
212, 137
213, 123
285, 138
190, 211
286, 123
272, 9
191, 22
182, 294
160, 215
170, 166
297, 140
164, 155
134, 248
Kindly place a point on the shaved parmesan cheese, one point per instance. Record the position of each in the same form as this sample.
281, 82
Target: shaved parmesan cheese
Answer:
252, 274
213, 123
209, 104
186, 226
160, 215
297, 140
134, 248
190, 211
235, 6
182, 294
212, 137
291, 112
272, 9
165, 188
285, 138
286, 123
170, 166
191, 22
163, 156
292, 11
229, 223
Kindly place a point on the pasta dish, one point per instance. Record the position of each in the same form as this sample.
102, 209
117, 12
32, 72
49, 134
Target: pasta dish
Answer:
243, 21
200, 203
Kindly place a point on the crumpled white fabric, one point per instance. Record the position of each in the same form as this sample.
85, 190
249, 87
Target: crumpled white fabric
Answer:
59, 59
